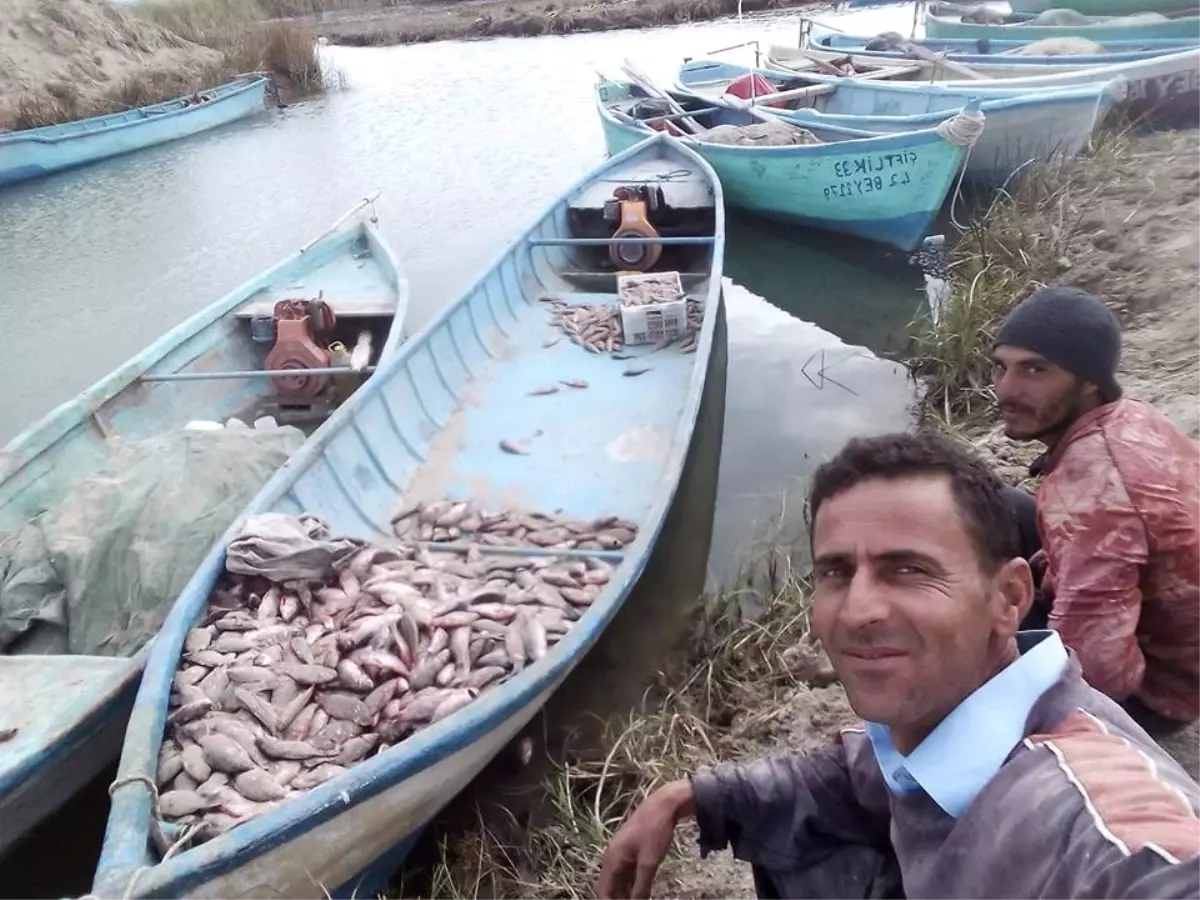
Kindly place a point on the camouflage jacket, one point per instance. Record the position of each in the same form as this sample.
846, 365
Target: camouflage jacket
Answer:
1119, 518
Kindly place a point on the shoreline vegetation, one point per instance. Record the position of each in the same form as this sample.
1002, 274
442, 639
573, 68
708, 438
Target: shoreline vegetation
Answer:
72, 59
1123, 222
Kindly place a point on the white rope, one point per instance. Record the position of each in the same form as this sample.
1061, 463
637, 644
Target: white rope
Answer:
962, 129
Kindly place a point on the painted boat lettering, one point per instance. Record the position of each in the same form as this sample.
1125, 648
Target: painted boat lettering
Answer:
877, 162
1160, 87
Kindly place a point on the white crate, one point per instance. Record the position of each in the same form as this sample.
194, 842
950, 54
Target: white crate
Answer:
665, 319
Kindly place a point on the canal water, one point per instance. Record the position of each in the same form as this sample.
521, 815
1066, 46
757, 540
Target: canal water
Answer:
467, 142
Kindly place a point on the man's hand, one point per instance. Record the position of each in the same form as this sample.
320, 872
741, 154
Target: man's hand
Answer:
637, 850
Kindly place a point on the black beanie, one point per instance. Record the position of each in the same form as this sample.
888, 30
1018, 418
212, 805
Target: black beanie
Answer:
1073, 330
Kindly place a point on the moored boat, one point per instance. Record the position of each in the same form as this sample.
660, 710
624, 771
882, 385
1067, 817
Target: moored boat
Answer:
1096, 29
84, 584
884, 188
431, 425
34, 152
1021, 127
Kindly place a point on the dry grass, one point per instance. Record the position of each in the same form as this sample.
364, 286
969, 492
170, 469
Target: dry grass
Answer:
235, 28
530, 19
1015, 246
735, 679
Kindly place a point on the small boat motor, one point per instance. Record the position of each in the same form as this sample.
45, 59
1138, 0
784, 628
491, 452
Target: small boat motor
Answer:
296, 321
631, 207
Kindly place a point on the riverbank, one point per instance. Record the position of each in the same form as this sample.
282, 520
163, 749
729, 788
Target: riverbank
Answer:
418, 21
62, 60
1123, 223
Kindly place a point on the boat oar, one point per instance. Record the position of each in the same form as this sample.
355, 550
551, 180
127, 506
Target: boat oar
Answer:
642, 80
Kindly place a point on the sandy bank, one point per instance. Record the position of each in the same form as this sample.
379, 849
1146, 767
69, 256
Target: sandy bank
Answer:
81, 56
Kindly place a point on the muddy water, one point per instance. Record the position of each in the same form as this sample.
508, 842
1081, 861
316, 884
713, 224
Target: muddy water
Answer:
467, 142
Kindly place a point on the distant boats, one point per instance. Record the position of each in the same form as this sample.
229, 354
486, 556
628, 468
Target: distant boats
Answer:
69, 711
431, 424
884, 188
39, 151
1021, 127
1095, 28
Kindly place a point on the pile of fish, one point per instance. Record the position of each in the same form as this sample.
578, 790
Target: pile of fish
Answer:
443, 520
644, 290
597, 327
281, 687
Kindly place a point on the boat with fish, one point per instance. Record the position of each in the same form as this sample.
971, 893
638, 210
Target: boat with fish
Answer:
1097, 28
34, 152
110, 502
1021, 127
521, 450
1103, 7
883, 188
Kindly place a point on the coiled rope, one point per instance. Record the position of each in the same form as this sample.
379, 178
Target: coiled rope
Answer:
962, 130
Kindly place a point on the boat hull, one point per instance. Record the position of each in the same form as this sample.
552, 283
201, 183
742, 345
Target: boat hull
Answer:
41, 770
432, 402
949, 27
38, 152
1018, 130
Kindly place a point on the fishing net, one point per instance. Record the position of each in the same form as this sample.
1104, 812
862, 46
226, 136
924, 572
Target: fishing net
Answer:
98, 574
760, 134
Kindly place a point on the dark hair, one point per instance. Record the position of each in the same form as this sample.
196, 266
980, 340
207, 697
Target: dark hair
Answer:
980, 494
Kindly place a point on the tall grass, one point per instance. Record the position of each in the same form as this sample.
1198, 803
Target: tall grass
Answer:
1020, 243
739, 675
247, 44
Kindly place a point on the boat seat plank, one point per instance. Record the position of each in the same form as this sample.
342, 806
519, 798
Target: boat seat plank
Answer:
682, 188
362, 308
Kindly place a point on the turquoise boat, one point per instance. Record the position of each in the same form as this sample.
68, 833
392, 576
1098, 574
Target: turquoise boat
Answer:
883, 188
1023, 126
429, 426
34, 152
69, 710
1184, 27
1103, 7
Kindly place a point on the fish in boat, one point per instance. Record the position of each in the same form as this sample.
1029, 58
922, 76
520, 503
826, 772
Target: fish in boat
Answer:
210, 367
428, 428
1097, 28
34, 152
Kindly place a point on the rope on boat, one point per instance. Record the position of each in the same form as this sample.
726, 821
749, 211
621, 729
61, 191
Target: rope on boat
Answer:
963, 130
184, 837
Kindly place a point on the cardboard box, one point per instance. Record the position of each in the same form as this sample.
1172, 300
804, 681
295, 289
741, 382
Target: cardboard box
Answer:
665, 318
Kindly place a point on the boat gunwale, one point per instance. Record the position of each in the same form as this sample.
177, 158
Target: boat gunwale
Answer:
999, 90
441, 740
230, 90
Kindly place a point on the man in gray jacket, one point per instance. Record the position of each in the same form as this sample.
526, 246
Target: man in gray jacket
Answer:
986, 766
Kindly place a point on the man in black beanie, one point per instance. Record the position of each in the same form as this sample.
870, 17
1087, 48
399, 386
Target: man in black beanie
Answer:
1118, 509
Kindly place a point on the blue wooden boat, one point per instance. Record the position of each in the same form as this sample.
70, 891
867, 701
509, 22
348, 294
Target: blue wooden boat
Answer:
1162, 85
69, 711
999, 52
1183, 27
426, 426
883, 188
1021, 127
39, 151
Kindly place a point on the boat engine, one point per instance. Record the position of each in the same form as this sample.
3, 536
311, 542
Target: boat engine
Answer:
297, 322
632, 207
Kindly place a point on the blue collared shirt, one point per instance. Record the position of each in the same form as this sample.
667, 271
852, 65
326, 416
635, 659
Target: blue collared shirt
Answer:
965, 751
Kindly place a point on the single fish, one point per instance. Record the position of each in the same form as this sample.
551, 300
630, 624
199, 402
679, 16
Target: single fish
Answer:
577, 383
224, 754
633, 373
510, 447
257, 785
278, 749
176, 804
